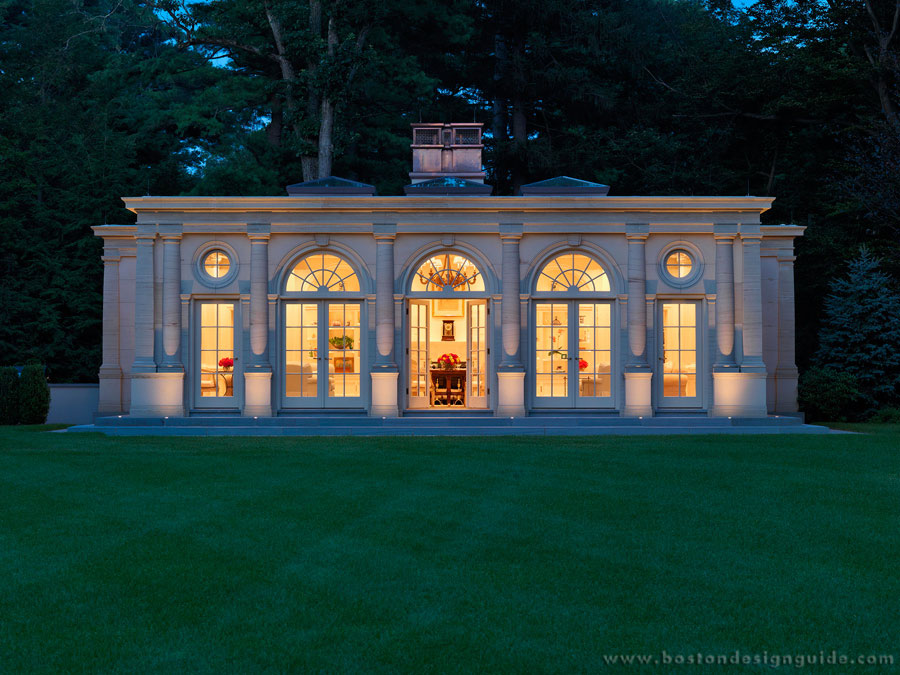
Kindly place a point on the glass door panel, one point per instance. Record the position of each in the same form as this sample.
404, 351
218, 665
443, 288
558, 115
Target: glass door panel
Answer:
322, 354
552, 358
594, 353
476, 354
302, 350
419, 375
218, 372
343, 350
679, 354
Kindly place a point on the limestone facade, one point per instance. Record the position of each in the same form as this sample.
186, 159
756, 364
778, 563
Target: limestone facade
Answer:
738, 293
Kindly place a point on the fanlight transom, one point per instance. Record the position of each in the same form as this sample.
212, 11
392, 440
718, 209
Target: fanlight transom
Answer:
573, 272
447, 272
322, 273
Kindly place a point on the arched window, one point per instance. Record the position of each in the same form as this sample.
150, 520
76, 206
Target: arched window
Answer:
447, 272
573, 272
322, 273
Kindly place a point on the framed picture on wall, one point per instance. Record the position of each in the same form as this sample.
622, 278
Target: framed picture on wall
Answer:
343, 364
448, 333
448, 307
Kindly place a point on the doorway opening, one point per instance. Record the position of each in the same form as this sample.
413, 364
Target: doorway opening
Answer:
447, 354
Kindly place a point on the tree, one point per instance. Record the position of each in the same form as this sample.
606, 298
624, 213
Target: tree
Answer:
308, 60
95, 106
860, 334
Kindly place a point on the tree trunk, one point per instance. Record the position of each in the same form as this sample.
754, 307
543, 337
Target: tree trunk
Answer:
326, 131
326, 112
310, 163
887, 105
499, 120
273, 130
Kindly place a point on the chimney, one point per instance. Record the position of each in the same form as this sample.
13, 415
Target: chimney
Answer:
442, 150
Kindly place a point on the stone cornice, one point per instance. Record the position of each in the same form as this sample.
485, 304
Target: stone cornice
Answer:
521, 205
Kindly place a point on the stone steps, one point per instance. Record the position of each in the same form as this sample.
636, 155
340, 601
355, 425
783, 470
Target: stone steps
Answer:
441, 425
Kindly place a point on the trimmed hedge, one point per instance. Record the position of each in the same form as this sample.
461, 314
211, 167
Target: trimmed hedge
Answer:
830, 395
34, 395
9, 395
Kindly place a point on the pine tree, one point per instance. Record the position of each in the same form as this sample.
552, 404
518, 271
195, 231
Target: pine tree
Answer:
860, 333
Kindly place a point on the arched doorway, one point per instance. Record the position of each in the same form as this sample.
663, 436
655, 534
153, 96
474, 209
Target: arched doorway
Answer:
322, 333
573, 357
447, 341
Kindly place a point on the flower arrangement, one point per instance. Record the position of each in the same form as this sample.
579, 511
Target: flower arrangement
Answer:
341, 342
448, 361
582, 364
226, 362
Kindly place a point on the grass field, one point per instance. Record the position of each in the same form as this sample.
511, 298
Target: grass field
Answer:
445, 554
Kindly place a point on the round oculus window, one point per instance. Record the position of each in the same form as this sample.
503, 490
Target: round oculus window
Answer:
679, 264
216, 264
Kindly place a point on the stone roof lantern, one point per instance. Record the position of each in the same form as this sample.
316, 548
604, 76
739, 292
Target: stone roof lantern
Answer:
447, 150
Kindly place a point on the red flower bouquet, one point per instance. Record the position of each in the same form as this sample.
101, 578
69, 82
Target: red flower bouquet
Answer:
226, 362
448, 361
582, 364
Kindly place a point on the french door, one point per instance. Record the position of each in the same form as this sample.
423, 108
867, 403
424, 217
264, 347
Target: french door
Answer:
218, 382
419, 372
323, 354
471, 328
573, 354
679, 354
476, 354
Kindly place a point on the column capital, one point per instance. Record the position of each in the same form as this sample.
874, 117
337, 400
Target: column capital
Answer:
145, 233
787, 258
637, 231
170, 230
109, 258
511, 231
750, 231
259, 231
384, 231
725, 231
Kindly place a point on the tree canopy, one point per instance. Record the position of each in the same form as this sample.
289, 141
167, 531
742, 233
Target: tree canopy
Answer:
795, 99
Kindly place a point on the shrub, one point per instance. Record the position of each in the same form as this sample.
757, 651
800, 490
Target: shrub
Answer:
34, 395
9, 395
828, 394
887, 416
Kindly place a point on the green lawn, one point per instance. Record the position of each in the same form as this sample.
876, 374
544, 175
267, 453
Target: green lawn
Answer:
444, 555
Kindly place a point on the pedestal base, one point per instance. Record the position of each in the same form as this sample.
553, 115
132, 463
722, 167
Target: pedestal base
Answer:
739, 394
258, 394
157, 394
511, 394
384, 395
110, 401
638, 394
786, 391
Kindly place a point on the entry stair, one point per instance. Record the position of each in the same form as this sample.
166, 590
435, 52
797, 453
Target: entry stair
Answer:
445, 424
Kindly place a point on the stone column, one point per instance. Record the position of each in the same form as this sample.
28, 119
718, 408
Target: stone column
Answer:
169, 379
725, 299
638, 374
384, 372
743, 393
110, 402
786, 370
143, 304
752, 336
154, 392
510, 371
728, 382
143, 368
171, 302
258, 370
